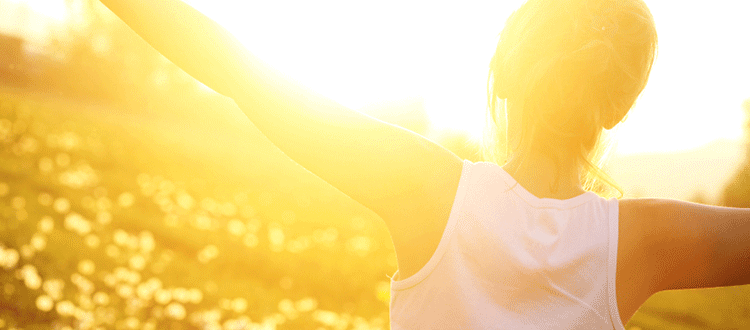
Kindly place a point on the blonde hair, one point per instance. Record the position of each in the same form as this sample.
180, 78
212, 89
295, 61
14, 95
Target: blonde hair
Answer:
569, 69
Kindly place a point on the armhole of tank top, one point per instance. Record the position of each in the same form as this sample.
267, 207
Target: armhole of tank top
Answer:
426, 270
614, 234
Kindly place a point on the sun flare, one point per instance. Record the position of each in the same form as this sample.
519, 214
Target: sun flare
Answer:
360, 54
54, 9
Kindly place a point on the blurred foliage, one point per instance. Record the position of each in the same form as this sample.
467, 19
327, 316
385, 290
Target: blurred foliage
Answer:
94, 55
108, 223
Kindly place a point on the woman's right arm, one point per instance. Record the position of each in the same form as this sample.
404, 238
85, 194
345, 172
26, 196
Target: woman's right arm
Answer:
405, 178
671, 245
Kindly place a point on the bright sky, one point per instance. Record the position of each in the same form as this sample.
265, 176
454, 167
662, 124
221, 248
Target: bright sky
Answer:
362, 53
359, 53
30, 19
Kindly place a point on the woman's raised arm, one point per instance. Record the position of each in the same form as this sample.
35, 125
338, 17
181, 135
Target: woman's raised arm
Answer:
408, 180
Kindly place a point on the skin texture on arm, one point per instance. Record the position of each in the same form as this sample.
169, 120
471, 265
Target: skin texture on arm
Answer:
406, 179
671, 245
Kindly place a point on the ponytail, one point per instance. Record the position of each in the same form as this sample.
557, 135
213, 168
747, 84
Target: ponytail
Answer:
568, 69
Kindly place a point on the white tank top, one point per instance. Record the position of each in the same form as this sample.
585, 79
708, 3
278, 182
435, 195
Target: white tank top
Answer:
510, 260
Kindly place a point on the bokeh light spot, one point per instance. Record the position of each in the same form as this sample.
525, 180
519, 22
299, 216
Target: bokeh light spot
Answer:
44, 303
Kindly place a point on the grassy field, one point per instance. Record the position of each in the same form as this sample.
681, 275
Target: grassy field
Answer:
115, 219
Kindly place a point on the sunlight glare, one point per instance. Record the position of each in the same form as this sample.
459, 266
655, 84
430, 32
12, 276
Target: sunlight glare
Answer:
54, 9
375, 54
361, 54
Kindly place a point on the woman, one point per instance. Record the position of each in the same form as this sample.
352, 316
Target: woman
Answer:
479, 246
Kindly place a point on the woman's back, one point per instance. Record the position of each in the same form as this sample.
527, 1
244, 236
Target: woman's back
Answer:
510, 260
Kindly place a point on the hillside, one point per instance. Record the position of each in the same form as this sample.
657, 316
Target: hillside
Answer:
682, 175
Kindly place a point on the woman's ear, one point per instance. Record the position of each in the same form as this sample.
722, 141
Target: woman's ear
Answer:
614, 113
610, 125
501, 95
611, 118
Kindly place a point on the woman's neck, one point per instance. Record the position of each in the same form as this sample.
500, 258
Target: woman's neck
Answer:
537, 173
